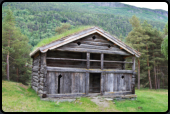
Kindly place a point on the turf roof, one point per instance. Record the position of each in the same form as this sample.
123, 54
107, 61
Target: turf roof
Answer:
46, 41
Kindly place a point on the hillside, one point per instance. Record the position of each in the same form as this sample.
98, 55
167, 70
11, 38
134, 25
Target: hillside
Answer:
39, 20
17, 97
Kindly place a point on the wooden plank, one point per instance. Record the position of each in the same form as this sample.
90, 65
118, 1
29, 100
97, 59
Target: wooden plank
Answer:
102, 83
48, 82
61, 84
102, 57
87, 46
81, 83
96, 43
65, 95
111, 81
93, 51
118, 82
36, 55
87, 83
67, 59
133, 65
88, 62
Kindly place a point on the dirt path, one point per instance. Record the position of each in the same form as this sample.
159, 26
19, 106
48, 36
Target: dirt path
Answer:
100, 102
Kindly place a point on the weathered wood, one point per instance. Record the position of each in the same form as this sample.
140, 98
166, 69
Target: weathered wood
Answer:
88, 62
93, 51
118, 93
36, 67
35, 84
102, 57
36, 55
41, 79
87, 46
87, 83
65, 95
35, 80
42, 92
133, 65
88, 70
34, 73
102, 83
41, 75
67, 59
35, 70
36, 77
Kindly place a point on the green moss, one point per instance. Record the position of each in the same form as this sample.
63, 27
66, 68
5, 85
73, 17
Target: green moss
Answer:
46, 41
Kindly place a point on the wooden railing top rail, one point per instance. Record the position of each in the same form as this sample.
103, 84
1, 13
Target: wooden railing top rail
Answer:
86, 60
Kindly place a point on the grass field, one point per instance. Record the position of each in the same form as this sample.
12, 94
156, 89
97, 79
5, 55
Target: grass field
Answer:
19, 98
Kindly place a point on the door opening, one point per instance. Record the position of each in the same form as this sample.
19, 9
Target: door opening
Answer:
94, 82
59, 83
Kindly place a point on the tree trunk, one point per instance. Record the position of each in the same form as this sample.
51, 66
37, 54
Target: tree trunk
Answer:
155, 75
7, 63
150, 84
138, 74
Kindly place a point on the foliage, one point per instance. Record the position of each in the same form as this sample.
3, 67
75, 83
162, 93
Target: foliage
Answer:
39, 20
164, 45
14, 44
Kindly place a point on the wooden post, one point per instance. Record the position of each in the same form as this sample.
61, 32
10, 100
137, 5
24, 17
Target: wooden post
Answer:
87, 83
88, 60
102, 83
102, 57
133, 75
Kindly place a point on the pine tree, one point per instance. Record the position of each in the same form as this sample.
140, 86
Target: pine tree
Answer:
135, 38
8, 28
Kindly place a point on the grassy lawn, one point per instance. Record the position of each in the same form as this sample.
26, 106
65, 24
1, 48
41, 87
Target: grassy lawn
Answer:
148, 100
18, 98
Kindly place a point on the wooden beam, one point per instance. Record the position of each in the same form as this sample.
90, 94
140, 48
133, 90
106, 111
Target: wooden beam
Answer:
87, 83
102, 57
133, 65
66, 59
88, 60
36, 55
121, 48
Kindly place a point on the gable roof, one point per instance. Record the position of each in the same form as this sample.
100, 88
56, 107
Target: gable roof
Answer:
79, 35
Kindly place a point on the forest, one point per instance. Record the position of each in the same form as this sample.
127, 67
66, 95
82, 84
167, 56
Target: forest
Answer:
24, 25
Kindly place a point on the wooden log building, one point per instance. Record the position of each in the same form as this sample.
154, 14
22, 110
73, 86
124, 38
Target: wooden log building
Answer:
83, 64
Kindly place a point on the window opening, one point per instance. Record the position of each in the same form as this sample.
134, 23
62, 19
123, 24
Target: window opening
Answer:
59, 83
94, 37
109, 46
78, 43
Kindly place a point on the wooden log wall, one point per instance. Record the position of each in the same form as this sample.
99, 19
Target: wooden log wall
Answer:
110, 65
66, 63
35, 72
69, 82
98, 44
115, 82
42, 86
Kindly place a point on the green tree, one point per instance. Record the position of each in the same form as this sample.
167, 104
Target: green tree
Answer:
15, 48
135, 38
164, 45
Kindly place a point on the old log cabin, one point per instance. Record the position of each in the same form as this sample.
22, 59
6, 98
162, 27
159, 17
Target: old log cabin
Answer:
83, 64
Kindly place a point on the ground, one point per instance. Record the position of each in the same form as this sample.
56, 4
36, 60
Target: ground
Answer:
17, 97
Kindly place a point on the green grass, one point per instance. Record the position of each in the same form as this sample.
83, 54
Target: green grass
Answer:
149, 100
67, 33
15, 98
18, 99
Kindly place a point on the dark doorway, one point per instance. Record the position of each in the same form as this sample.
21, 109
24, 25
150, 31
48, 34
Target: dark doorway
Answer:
94, 82
59, 83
